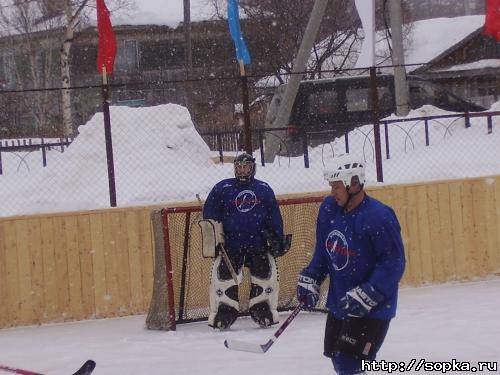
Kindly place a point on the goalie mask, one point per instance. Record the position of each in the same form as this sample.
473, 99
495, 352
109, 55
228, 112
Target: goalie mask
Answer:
244, 168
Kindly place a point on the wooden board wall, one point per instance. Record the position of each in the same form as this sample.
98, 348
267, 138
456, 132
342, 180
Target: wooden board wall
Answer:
96, 264
75, 266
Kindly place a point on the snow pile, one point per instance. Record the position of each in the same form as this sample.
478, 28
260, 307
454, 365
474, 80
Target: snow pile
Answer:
160, 158
150, 147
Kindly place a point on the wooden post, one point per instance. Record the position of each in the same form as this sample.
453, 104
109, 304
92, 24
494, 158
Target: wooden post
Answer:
376, 123
246, 109
107, 136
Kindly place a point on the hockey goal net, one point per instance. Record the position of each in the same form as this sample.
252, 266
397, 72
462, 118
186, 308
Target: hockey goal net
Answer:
182, 274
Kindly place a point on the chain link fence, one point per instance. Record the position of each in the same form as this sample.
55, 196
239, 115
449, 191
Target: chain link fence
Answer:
164, 152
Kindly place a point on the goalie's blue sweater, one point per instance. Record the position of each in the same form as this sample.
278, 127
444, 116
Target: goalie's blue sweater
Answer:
363, 245
249, 214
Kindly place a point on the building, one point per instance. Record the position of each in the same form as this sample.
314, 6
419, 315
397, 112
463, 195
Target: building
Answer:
150, 69
148, 58
469, 68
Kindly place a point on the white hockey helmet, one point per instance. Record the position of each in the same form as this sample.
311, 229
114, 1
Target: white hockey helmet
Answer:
344, 168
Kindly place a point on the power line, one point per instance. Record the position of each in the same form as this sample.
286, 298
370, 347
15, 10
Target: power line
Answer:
160, 83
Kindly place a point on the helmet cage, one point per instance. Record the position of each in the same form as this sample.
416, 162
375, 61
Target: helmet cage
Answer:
247, 174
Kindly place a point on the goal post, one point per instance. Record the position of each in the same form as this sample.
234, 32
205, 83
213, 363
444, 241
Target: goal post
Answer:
182, 274
161, 315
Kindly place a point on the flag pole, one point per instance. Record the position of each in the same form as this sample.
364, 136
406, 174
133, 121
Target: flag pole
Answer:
108, 139
246, 109
368, 23
242, 57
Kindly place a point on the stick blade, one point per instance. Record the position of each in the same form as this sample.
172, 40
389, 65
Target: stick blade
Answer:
86, 369
244, 346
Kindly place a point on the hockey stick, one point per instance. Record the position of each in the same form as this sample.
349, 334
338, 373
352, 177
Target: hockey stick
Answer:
233, 273
228, 263
86, 369
246, 346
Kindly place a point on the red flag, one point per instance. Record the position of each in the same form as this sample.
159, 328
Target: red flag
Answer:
492, 22
106, 50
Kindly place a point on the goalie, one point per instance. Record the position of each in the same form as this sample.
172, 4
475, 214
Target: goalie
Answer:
243, 227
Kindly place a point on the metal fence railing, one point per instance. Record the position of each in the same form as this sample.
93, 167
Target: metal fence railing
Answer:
26, 151
162, 152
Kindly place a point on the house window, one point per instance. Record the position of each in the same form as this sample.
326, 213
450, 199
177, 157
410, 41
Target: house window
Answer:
7, 72
323, 102
162, 55
127, 58
83, 59
487, 91
52, 8
212, 52
22, 69
496, 49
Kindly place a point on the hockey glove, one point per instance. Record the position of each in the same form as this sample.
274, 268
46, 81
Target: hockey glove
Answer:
360, 300
307, 291
276, 245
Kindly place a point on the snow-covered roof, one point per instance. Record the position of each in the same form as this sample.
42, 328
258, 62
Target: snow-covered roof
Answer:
140, 12
161, 12
430, 38
480, 64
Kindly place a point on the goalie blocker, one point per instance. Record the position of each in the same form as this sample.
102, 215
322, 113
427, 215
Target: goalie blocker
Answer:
212, 234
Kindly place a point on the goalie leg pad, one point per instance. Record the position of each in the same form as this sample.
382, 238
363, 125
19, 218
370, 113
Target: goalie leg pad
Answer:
264, 290
224, 304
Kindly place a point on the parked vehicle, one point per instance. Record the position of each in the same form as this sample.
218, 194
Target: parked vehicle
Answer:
336, 106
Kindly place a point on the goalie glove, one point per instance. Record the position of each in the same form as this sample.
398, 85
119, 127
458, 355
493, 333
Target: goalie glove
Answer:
307, 291
275, 245
359, 301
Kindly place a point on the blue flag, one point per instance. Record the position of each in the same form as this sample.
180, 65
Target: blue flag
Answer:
233, 18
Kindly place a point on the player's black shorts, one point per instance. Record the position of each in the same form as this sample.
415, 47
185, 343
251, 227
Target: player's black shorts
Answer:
359, 337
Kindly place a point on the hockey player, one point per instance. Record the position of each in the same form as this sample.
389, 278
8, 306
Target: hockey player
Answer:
359, 246
253, 236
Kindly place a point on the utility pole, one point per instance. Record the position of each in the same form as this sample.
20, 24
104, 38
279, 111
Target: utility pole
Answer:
467, 8
286, 104
400, 83
188, 57
187, 38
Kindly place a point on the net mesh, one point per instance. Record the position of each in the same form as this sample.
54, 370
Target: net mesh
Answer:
191, 271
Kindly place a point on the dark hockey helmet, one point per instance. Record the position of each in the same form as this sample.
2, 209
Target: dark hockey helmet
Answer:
244, 168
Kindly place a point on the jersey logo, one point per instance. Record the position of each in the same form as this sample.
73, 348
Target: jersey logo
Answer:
246, 200
337, 249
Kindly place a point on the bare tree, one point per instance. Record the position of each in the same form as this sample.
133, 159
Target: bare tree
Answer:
31, 56
39, 28
274, 28
76, 15
71, 14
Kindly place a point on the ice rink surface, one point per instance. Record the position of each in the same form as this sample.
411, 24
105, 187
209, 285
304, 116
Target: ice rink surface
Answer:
436, 323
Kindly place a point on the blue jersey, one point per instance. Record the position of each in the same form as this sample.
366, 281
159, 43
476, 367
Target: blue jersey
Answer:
363, 245
249, 214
